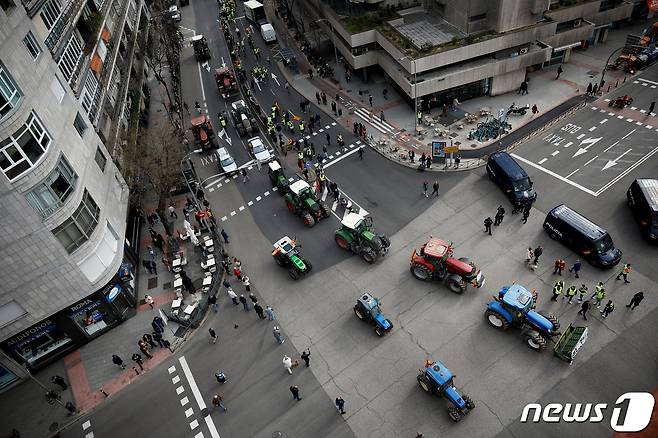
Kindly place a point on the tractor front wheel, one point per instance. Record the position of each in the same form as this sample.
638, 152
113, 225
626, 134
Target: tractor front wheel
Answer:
423, 382
379, 331
421, 272
535, 341
454, 414
496, 319
308, 265
294, 274
454, 283
368, 255
469, 402
342, 242
358, 313
308, 220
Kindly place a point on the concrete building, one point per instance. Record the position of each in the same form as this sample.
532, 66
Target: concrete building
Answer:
67, 270
437, 50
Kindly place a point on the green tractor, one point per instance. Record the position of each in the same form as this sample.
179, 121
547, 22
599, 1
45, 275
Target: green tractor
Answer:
355, 235
285, 254
277, 177
302, 200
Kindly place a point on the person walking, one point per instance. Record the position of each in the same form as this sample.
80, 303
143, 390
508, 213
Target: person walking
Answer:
244, 302
584, 308
360, 154
559, 266
537, 253
287, 364
558, 288
221, 377
435, 188
582, 291
148, 339
217, 400
245, 177
559, 72
212, 302
232, 295
172, 211
535, 110
213, 335
624, 272
270, 313
526, 213
636, 300
575, 268
237, 271
143, 347
487, 225
306, 357
425, 188
59, 381
294, 389
148, 299
608, 309
571, 292
652, 106
340, 404
224, 236
151, 252
116, 360
500, 215
259, 311
158, 338
137, 358
589, 89
246, 283
277, 335
529, 255
370, 100
599, 294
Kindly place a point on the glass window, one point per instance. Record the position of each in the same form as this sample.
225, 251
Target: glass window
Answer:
22, 150
77, 229
50, 12
9, 92
100, 158
79, 124
32, 45
47, 197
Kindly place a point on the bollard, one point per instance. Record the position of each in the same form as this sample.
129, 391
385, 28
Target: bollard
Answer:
102, 391
136, 371
617, 83
608, 88
624, 79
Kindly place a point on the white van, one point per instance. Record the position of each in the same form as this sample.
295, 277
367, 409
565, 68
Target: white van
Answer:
268, 33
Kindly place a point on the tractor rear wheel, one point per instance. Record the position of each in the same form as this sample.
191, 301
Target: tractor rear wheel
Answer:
342, 242
496, 319
368, 255
376, 244
534, 340
291, 207
423, 382
469, 402
358, 313
454, 414
454, 283
308, 220
294, 273
421, 272
385, 241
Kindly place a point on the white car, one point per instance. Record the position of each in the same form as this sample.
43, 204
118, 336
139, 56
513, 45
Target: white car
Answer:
174, 13
226, 161
259, 150
268, 33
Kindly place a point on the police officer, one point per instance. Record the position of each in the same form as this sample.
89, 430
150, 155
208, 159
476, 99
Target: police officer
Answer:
582, 291
571, 292
558, 287
599, 294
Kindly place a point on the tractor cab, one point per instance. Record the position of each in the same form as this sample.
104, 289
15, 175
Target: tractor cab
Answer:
284, 245
277, 177
516, 299
285, 254
355, 222
436, 249
200, 45
225, 80
302, 190
367, 308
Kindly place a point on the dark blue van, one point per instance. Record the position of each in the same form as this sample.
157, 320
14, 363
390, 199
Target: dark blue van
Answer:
511, 178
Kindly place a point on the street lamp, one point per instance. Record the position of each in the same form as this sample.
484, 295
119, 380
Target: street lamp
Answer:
605, 67
415, 91
333, 37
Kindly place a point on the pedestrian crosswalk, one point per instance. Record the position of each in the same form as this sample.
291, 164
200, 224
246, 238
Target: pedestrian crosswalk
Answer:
343, 205
375, 121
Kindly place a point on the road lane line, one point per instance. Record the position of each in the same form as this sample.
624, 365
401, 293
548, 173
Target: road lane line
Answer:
342, 157
647, 81
610, 147
580, 136
555, 153
543, 160
630, 120
627, 171
590, 161
197, 396
555, 175
603, 121
624, 137
568, 144
568, 176
592, 128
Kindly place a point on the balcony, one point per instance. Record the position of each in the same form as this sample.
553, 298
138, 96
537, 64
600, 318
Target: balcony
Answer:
567, 10
582, 30
621, 11
63, 26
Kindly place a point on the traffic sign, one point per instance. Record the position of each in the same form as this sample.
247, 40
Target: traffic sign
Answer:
451, 149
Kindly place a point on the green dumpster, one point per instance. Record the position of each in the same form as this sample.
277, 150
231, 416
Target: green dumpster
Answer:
570, 342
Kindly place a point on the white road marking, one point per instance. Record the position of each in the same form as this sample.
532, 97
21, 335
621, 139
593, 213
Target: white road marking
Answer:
86, 425
634, 108
189, 412
620, 117
590, 161
233, 213
197, 396
224, 218
266, 193
543, 160
199, 435
560, 177
568, 176
638, 123
643, 111
592, 128
274, 189
580, 136
194, 424
250, 203
320, 130
555, 153
90, 435
180, 390
184, 401
648, 126
333, 124
627, 171
647, 81
611, 163
175, 380
258, 198
630, 120
603, 121
568, 144
610, 147
331, 163
171, 369
611, 114
602, 111
241, 208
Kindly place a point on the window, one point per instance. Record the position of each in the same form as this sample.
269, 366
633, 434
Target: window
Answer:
9, 92
58, 89
79, 124
77, 229
21, 151
50, 12
477, 17
100, 158
49, 195
31, 45
68, 63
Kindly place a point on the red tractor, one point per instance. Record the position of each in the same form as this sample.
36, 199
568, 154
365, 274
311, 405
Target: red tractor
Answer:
203, 132
226, 83
435, 262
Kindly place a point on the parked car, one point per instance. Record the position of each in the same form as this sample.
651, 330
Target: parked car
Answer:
642, 198
174, 13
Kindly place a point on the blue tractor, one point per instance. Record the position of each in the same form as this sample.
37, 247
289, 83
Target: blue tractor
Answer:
367, 309
513, 307
437, 379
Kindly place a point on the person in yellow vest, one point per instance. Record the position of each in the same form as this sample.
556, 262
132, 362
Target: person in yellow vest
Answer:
571, 292
582, 291
419, 116
558, 287
624, 272
599, 294
301, 126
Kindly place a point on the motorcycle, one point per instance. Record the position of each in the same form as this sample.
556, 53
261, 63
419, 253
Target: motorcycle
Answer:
518, 110
621, 101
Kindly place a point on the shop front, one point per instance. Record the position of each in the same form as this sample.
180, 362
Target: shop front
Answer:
74, 326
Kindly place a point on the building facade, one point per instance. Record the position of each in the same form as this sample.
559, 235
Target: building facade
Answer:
437, 50
68, 268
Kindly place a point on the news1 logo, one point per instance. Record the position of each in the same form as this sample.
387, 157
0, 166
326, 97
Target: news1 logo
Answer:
631, 412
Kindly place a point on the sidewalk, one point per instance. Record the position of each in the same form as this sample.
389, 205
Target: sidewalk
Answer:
89, 369
393, 137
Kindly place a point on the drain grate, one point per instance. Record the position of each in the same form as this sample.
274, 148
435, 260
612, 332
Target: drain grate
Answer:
152, 283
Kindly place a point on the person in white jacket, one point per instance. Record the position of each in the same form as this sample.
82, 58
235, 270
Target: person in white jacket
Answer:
287, 364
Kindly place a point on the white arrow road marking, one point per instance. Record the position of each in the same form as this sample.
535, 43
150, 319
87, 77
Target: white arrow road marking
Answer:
276, 79
223, 62
224, 136
257, 82
611, 163
590, 142
206, 66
